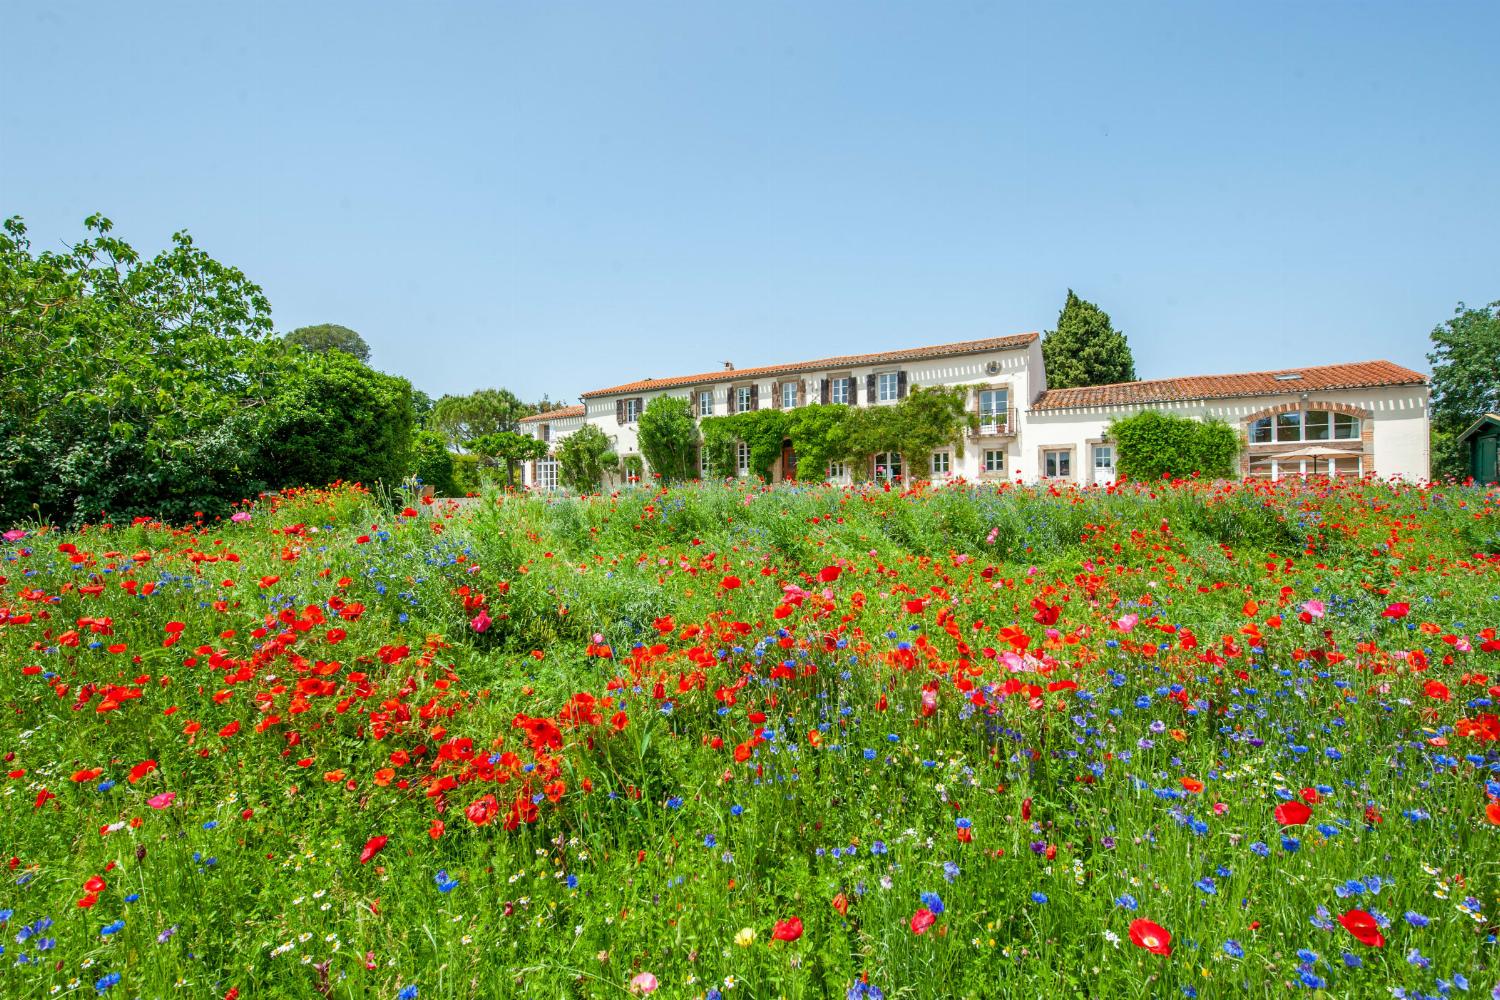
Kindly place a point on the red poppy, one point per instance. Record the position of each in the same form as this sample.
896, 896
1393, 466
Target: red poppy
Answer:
1191, 784
1310, 796
372, 847
787, 930
730, 582
828, 574
1400, 609
921, 920
1292, 813
841, 904
1364, 928
1151, 936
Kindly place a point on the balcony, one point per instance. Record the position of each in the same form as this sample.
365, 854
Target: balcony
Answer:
1000, 424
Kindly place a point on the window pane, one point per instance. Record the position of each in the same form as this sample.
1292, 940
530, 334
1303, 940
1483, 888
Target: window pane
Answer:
1345, 427
1260, 431
1104, 456
1315, 425
1260, 466
1289, 426
788, 395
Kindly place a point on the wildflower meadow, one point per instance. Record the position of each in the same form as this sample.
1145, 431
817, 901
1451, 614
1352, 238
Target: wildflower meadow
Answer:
721, 741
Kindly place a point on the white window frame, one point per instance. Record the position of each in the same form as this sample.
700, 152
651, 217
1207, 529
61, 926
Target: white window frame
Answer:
888, 387
894, 470
705, 402
1065, 456
633, 409
741, 458
546, 473
839, 389
1351, 423
742, 399
789, 395
1096, 448
998, 419
988, 466
837, 471
943, 459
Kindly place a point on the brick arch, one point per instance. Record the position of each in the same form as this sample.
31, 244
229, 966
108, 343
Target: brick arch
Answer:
1312, 404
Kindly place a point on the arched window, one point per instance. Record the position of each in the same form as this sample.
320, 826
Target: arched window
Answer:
1304, 425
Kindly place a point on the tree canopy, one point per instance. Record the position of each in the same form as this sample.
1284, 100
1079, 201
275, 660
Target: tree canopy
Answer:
582, 458
669, 438
1465, 360
1085, 349
330, 337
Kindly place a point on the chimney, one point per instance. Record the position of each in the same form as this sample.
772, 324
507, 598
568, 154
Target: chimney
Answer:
729, 366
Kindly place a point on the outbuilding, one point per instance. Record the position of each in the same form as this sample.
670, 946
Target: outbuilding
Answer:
1480, 445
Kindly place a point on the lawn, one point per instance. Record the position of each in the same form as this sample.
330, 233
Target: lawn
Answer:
754, 742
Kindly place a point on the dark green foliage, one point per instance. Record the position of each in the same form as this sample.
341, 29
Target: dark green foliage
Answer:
330, 337
332, 418
509, 447
816, 432
582, 458
1153, 444
487, 411
669, 438
927, 419
1465, 360
1085, 349
432, 463
762, 430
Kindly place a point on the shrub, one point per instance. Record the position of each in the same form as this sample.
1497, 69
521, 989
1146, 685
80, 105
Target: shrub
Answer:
1153, 444
669, 438
582, 458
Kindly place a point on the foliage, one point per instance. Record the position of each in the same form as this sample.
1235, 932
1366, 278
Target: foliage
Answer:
816, 432
1465, 360
330, 337
128, 385
1085, 349
632, 468
488, 411
668, 435
763, 430
509, 447
582, 458
333, 418
1152, 444
807, 741
432, 463
926, 420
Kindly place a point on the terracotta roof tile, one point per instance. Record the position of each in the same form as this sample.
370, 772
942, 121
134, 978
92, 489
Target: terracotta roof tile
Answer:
1360, 375
566, 411
738, 374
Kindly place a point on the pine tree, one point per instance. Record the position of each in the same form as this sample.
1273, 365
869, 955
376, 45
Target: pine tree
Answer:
1085, 349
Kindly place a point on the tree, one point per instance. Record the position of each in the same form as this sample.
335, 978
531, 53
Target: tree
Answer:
1153, 444
128, 385
1085, 349
582, 458
926, 420
330, 337
333, 418
508, 447
816, 431
669, 438
487, 411
432, 463
1465, 362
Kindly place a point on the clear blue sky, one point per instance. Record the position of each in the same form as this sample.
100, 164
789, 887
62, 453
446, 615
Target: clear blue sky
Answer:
555, 197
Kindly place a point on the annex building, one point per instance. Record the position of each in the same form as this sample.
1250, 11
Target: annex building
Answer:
1346, 420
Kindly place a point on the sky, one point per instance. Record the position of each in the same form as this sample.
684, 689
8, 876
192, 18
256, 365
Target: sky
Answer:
557, 197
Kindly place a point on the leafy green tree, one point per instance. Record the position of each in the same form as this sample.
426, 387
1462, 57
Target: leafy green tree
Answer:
508, 447
1085, 349
487, 411
926, 420
330, 337
1152, 444
816, 431
669, 438
334, 418
1465, 360
128, 385
582, 458
432, 463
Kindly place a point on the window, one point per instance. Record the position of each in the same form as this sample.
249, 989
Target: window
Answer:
994, 461
706, 403
788, 395
1289, 426
632, 410
1104, 456
1304, 425
742, 399
940, 463
1351, 466
742, 458
994, 409
1315, 425
1260, 431
1345, 427
544, 432
1057, 463
836, 471
546, 474
888, 386
838, 390
888, 466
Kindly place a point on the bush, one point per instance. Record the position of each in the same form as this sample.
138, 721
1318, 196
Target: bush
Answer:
432, 462
669, 438
582, 458
1152, 445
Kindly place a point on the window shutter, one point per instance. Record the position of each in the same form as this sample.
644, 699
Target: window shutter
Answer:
823, 392
619, 411
901, 385
978, 396
870, 389
640, 406
853, 391
754, 396
802, 392
775, 395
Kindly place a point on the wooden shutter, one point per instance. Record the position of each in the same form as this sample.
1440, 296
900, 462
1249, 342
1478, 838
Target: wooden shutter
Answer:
823, 391
620, 411
901, 385
754, 396
775, 395
853, 391
871, 395
802, 392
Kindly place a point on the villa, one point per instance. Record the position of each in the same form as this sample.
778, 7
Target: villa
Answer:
1350, 419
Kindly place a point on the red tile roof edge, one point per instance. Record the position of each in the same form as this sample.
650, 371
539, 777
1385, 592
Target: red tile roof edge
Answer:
1322, 378
566, 411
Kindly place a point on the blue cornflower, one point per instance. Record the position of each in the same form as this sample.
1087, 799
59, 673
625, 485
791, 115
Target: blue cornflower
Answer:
1038, 897
932, 901
709, 840
1233, 949
1416, 919
112, 928
572, 881
407, 993
950, 870
104, 982
675, 802
444, 883
1352, 960
1127, 901
1311, 981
